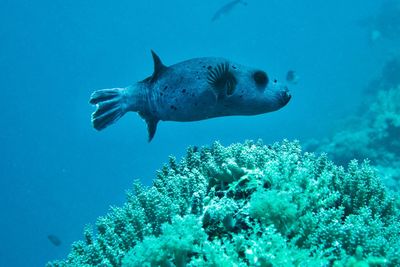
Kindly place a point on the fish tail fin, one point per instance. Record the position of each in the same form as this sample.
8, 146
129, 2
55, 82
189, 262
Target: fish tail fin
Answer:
111, 105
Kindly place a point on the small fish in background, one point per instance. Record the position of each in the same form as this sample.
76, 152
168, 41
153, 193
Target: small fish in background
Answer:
227, 8
292, 77
54, 240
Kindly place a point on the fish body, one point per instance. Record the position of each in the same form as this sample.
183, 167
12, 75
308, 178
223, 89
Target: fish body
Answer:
227, 8
192, 90
292, 77
54, 240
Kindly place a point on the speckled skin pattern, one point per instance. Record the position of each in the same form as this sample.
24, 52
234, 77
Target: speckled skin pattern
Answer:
182, 92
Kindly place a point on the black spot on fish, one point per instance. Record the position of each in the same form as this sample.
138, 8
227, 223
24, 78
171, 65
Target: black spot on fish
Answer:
183, 90
165, 87
173, 107
222, 80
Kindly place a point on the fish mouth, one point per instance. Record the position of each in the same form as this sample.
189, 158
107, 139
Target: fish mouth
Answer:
285, 97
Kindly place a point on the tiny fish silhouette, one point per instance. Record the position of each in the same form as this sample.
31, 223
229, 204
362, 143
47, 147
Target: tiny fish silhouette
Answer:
225, 9
192, 90
292, 77
54, 240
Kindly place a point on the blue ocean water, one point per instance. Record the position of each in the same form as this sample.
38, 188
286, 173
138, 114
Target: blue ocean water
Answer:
57, 173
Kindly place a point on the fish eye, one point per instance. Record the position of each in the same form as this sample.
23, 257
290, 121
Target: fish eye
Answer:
261, 78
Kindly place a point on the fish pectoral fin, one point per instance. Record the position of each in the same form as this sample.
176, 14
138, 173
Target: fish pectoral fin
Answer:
222, 80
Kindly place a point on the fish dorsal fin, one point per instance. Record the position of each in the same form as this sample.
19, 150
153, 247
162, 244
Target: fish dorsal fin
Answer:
222, 80
159, 67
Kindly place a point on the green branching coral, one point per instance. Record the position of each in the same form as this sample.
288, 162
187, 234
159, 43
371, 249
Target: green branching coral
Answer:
249, 205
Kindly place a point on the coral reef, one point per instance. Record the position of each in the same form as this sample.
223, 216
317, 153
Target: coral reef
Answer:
374, 132
249, 205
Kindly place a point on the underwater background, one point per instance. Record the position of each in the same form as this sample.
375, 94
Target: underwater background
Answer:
58, 174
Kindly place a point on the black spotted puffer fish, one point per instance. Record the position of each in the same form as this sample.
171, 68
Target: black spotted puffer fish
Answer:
192, 90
